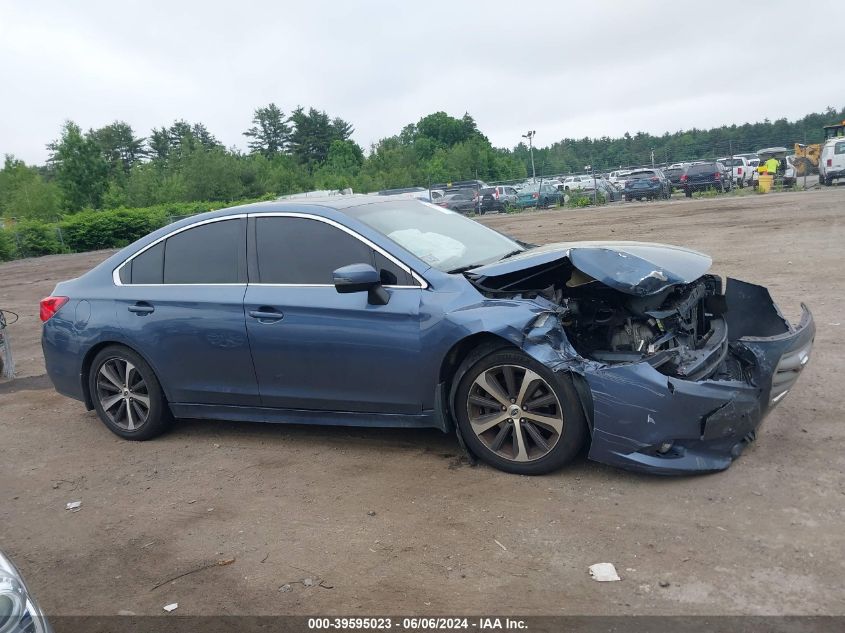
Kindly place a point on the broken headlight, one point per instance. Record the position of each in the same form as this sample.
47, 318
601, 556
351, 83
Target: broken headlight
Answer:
19, 612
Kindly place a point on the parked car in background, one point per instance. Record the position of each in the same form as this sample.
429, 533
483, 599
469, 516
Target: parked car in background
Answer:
577, 182
786, 169
437, 194
603, 188
832, 161
617, 178
498, 198
740, 170
19, 611
648, 184
674, 173
706, 175
540, 196
461, 200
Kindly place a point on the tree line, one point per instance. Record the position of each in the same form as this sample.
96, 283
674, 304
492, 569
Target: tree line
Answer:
113, 167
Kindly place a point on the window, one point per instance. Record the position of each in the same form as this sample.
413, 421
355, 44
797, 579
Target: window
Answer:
212, 253
305, 251
839, 148
148, 267
443, 239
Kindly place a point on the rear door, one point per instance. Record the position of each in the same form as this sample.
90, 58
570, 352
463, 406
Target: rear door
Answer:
316, 349
181, 304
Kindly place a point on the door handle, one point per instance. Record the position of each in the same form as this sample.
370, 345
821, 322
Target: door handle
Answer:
141, 308
266, 315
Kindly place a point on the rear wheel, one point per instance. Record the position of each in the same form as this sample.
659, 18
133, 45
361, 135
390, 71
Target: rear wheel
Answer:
127, 395
517, 415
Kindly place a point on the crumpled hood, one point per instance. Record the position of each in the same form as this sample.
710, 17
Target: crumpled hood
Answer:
636, 268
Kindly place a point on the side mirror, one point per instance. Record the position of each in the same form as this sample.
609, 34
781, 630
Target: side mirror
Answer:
360, 278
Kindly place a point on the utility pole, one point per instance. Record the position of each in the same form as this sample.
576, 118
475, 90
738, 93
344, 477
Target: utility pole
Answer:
652, 158
530, 136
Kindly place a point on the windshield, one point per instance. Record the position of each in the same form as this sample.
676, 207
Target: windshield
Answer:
444, 239
732, 162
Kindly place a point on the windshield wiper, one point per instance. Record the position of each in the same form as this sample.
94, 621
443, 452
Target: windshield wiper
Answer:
471, 266
512, 253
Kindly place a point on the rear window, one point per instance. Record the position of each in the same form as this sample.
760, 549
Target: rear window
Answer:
488, 191
701, 169
642, 174
839, 148
732, 162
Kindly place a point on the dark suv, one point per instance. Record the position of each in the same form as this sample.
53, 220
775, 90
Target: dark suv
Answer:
499, 198
647, 183
703, 176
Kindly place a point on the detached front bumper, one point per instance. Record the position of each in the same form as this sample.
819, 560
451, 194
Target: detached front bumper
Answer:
647, 421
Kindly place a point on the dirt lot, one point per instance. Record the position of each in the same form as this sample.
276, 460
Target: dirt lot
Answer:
394, 522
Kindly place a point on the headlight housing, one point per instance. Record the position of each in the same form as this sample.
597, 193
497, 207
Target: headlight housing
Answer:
19, 612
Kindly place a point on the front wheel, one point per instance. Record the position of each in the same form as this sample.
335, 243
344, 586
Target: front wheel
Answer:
517, 415
127, 395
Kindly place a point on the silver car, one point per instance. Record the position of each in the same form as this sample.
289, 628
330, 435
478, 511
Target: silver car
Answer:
19, 612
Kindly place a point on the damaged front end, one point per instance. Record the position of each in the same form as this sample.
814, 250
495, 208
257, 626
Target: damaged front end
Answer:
677, 373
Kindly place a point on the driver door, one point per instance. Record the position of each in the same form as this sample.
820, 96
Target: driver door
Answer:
314, 348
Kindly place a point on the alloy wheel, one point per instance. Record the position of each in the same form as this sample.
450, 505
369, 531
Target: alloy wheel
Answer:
515, 413
123, 394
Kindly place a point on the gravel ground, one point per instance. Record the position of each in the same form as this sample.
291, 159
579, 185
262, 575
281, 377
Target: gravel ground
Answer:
383, 521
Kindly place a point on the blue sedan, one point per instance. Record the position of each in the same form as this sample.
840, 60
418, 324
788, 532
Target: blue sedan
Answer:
375, 311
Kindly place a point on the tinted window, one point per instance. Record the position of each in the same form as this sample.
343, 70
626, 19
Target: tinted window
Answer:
701, 169
209, 254
303, 251
488, 191
510, 191
642, 174
390, 273
839, 148
148, 267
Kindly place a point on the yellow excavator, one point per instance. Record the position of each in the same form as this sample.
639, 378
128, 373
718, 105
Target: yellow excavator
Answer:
806, 159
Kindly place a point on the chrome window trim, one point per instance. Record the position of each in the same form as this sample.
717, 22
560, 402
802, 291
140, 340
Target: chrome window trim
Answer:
116, 272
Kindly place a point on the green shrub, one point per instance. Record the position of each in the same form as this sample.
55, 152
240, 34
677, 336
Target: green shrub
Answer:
8, 250
94, 230
35, 238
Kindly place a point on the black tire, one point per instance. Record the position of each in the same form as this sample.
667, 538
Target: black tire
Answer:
567, 444
627, 198
158, 416
688, 193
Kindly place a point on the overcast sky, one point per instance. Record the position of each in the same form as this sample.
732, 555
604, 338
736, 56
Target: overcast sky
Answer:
563, 69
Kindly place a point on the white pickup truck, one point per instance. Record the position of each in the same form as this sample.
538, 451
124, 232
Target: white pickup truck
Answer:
741, 169
617, 178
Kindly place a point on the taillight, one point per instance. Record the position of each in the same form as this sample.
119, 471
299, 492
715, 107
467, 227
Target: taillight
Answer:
51, 305
739, 171
655, 179
717, 175
496, 194
535, 195
830, 162
683, 177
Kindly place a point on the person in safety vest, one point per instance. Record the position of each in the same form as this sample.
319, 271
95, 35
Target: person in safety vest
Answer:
772, 166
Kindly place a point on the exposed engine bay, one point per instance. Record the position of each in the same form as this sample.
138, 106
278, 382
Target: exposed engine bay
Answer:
678, 330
